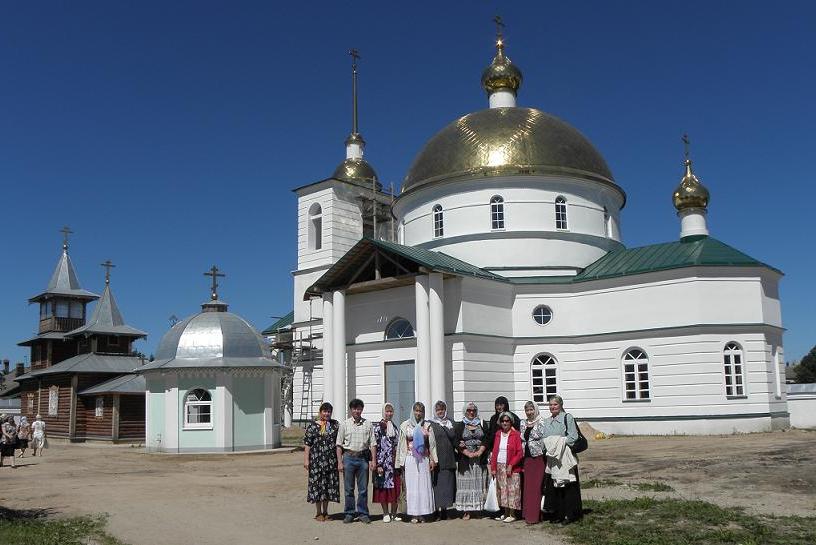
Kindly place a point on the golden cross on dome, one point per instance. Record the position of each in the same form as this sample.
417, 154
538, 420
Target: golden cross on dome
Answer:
108, 266
65, 232
499, 28
686, 145
213, 272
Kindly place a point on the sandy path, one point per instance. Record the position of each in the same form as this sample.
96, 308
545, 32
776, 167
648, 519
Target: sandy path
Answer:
259, 498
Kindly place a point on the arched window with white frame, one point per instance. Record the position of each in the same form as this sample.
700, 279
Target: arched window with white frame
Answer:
399, 328
543, 378
636, 375
496, 212
198, 409
315, 227
438, 221
734, 369
607, 223
560, 213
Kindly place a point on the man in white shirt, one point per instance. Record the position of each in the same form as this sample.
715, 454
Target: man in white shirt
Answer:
356, 454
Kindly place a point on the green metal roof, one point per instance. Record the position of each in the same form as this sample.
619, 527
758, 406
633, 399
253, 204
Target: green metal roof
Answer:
285, 321
436, 260
700, 251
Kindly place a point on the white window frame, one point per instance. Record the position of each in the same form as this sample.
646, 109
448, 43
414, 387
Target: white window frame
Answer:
548, 365
607, 223
561, 223
638, 360
401, 332
438, 219
542, 307
201, 403
497, 213
99, 410
31, 403
53, 401
734, 373
315, 227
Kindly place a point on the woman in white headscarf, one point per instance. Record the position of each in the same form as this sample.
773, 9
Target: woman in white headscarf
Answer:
387, 483
532, 437
39, 440
23, 435
471, 476
444, 476
416, 453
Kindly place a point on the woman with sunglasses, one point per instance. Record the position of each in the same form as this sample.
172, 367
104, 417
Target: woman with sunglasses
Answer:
505, 465
471, 477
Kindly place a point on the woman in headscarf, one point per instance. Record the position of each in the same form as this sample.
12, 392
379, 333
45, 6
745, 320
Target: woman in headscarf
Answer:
320, 461
471, 477
501, 405
23, 435
444, 476
532, 437
39, 441
562, 501
387, 483
8, 442
417, 454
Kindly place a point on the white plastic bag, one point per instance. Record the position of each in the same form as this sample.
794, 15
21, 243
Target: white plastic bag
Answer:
492, 500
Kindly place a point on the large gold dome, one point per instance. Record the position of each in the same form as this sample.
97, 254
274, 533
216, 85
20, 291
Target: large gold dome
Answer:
507, 142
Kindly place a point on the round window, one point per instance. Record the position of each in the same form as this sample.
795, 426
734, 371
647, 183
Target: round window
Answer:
542, 314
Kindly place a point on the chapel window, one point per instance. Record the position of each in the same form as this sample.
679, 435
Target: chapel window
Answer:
496, 212
560, 213
315, 227
53, 400
542, 314
636, 375
399, 328
198, 409
607, 223
734, 368
99, 411
438, 221
543, 378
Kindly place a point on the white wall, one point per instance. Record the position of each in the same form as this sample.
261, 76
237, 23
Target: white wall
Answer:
802, 408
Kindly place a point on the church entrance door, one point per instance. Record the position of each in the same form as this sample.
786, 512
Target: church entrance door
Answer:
399, 387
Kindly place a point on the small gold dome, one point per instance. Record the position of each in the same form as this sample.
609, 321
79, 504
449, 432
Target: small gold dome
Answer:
502, 73
691, 193
358, 172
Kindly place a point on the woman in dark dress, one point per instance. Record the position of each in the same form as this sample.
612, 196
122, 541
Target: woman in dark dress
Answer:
471, 474
444, 476
387, 482
562, 504
320, 461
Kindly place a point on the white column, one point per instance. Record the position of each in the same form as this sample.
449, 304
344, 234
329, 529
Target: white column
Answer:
339, 354
173, 417
422, 366
328, 350
503, 98
692, 222
777, 363
437, 337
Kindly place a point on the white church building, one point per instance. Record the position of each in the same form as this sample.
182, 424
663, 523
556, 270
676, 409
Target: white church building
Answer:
499, 269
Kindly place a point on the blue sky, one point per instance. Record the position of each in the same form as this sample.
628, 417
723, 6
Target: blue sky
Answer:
168, 135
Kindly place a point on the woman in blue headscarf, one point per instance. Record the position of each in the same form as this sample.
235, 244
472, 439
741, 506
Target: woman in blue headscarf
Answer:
416, 453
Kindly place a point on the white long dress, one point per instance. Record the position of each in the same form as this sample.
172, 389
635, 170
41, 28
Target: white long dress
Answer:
419, 496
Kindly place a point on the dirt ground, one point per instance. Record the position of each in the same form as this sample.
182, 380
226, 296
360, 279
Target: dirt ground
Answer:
250, 499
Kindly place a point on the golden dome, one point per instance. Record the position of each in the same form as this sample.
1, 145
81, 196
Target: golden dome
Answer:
358, 172
507, 142
501, 74
691, 193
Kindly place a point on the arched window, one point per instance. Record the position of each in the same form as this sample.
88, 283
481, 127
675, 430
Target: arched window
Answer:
607, 223
399, 328
734, 367
315, 227
543, 378
438, 221
560, 213
197, 409
496, 212
636, 375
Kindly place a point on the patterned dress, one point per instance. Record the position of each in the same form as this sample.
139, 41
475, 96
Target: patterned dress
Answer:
324, 481
471, 475
387, 488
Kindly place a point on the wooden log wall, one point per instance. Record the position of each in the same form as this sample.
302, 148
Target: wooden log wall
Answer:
90, 426
132, 417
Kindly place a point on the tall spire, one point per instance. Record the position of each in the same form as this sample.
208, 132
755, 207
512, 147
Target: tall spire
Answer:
214, 304
691, 199
64, 280
354, 143
501, 79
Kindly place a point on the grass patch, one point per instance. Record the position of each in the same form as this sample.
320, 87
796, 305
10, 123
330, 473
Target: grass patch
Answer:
655, 486
600, 483
33, 528
647, 521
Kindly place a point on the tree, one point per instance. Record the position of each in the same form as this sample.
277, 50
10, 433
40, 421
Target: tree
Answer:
806, 370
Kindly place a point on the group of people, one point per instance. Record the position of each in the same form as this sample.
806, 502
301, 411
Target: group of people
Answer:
443, 465
20, 436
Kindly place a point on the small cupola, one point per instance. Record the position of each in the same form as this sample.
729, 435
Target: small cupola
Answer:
691, 200
501, 79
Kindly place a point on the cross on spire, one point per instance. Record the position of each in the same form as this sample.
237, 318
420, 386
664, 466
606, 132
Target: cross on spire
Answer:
108, 266
499, 29
354, 54
213, 272
65, 232
686, 145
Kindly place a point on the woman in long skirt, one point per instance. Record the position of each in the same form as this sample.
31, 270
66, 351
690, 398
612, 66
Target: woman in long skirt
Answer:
387, 485
320, 461
505, 465
532, 436
416, 453
444, 477
23, 435
8, 441
562, 503
471, 476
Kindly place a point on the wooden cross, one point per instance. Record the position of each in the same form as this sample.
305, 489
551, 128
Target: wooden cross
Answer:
686, 145
108, 266
65, 232
213, 272
499, 26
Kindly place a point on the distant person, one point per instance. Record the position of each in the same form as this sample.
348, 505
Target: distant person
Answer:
320, 461
562, 494
387, 481
444, 476
532, 438
8, 441
505, 465
23, 435
39, 439
501, 405
416, 454
471, 476
356, 454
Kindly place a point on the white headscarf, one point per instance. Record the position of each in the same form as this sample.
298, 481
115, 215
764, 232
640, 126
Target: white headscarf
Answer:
536, 417
445, 422
475, 421
390, 429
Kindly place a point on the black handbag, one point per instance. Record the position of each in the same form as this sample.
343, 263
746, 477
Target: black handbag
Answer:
581, 443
